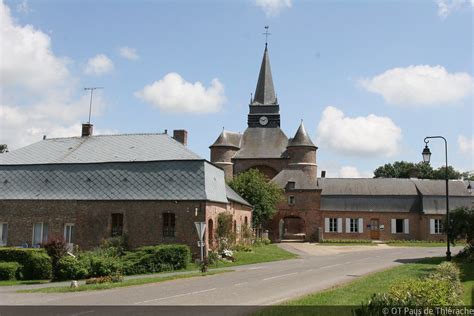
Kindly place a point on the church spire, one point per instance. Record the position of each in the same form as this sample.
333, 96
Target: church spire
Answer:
265, 92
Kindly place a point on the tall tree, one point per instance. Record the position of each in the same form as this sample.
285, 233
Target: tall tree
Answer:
253, 186
404, 169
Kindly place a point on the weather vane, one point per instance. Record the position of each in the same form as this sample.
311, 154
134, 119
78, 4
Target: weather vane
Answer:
266, 34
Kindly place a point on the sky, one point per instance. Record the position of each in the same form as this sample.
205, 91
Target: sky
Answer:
369, 79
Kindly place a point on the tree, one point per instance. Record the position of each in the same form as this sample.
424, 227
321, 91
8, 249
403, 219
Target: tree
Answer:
462, 225
404, 169
253, 186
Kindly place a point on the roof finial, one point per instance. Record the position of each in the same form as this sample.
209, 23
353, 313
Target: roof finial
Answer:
251, 97
266, 35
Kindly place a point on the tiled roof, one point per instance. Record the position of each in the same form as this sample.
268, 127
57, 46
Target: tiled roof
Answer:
262, 143
265, 92
301, 138
101, 148
227, 139
359, 186
160, 180
302, 181
234, 196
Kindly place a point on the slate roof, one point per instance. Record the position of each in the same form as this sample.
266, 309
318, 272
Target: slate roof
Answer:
265, 92
368, 187
438, 187
262, 143
301, 180
234, 196
160, 180
301, 138
101, 148
227, 139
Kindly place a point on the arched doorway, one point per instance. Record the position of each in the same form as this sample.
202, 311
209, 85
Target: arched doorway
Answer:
293, 228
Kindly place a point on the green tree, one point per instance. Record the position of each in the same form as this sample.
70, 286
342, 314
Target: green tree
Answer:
404, 169
253, 186
462, 225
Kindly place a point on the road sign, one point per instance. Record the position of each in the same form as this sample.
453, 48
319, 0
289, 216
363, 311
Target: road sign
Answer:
201, 228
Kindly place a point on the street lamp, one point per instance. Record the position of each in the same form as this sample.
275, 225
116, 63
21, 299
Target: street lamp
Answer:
426, 158
469, 188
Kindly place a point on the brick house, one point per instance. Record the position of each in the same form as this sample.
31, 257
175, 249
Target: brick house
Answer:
316, 208
147, 186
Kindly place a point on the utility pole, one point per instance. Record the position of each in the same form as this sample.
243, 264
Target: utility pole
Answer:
90, 104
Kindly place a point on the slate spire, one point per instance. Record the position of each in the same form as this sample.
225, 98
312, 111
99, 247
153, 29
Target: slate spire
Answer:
265, 93
301, 138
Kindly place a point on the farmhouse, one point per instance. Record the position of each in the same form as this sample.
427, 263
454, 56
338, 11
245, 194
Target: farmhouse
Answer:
147, 186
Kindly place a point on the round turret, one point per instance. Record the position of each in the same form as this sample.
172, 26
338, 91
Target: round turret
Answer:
302, 152
222, 151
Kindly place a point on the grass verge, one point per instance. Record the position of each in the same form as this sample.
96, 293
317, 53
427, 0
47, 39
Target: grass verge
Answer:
22, 282
131, 282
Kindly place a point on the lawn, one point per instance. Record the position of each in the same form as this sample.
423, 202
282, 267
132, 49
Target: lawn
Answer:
131, 282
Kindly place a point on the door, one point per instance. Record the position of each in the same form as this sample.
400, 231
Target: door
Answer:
374, 229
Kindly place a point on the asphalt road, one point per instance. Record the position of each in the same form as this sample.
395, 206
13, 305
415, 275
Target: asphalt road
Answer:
258, 284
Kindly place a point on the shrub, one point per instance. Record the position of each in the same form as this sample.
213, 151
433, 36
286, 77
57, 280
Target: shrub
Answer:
36, 264
160, 258
440, 288
102, 266
242, 248
261, 242
9, 270
56, 249
116, 246
70, 268
105, 279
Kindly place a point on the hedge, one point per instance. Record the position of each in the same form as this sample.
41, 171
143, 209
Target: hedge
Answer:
99, 266
9, 270
36, 264
151, 259
69, 268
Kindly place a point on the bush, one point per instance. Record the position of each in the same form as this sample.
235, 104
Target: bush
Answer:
440, 288
9, 270
105, 279
36, 264
69, 268
56, 249
261, 242
242, 248
153, 259
116, 246
101, 266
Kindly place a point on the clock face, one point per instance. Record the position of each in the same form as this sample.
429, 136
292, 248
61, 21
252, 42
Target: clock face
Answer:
263, 120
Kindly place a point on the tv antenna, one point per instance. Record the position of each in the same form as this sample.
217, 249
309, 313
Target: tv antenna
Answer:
90, 104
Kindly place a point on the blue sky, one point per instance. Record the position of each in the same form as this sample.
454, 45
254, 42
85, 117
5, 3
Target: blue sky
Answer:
370, 79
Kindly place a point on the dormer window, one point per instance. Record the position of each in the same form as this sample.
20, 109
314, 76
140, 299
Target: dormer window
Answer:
290, 185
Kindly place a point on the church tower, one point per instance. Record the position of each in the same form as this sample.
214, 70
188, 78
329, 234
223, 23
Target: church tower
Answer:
264, 110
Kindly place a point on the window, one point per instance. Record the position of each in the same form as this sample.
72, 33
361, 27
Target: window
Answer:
400, 226
3, 234
436, 226
40, 233
69, 233
291, 200
290, 185
333, 225
169, 225
354, 225
117, 224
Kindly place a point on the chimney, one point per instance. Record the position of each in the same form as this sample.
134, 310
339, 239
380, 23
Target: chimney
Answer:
87, 129
181, 136
323, 174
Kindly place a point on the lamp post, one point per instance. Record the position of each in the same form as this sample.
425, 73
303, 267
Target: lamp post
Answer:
469, 188
426, 158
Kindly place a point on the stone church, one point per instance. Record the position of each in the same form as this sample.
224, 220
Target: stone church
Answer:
316, 208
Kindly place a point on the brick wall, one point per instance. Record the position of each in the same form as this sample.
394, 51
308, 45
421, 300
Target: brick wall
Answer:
142, 220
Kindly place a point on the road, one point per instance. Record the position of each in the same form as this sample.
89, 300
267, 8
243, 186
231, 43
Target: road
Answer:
258, 284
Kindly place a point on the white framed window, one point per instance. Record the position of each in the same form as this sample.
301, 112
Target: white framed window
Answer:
436, 226
354, 225
69, 233
333, 225
40, 233
291, 200
3, 234
400, 226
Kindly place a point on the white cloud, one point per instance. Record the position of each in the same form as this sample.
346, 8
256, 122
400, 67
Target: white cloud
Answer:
99, 65
128, 53
466, 145
421, 85
353, 172
273, 8
446, 7
37, 87
174, 94
370, 135
23, 7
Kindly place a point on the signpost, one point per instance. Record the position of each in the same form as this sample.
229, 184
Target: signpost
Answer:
201, 228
